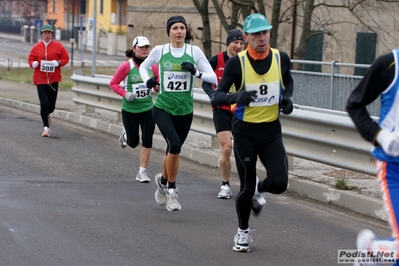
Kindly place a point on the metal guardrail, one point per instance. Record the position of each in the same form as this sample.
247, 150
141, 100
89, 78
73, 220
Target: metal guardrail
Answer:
315, 134
94, 92
328, 137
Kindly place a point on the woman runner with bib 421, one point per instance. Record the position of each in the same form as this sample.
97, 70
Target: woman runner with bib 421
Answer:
173, 109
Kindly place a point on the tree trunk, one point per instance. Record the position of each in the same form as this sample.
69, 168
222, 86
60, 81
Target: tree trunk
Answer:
275, 22
206, 39
261, 7
307, 20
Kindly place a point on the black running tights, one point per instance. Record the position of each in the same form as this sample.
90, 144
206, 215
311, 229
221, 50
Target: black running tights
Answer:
263, 140
47, 96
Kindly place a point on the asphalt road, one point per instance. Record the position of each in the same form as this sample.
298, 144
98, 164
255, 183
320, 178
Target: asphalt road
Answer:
16, 52
72, 200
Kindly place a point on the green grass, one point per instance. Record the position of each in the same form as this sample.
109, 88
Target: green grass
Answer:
25, 74
342, 184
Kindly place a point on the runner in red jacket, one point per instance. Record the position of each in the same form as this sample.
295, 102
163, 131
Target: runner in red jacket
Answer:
47, 57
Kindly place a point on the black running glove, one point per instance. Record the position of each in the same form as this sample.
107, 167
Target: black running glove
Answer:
286, 105
152, 82
242, 97
189, 67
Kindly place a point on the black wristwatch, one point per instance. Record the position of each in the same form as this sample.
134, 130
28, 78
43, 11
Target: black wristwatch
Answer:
200, 75
59, 62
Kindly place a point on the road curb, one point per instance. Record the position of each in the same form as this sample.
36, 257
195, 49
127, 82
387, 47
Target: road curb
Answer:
352, 201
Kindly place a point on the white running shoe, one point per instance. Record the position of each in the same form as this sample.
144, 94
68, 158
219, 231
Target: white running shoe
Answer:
241, 241
142, 177
123, 140
46, 132
171, 200
225, 192
364, 241
160, 192
257, 200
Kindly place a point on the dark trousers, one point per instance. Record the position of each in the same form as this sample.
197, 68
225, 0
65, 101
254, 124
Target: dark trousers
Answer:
174, 129
47, 96
263, 140
132, 121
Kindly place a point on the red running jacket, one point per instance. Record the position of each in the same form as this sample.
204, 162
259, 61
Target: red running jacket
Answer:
54, 51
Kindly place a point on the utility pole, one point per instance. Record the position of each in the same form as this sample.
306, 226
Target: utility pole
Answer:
120, 5
293, 31
93, 65
72, 40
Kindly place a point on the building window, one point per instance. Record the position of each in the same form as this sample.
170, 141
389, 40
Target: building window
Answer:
101, 6
53, 6
314, 50
83, 7
365, 50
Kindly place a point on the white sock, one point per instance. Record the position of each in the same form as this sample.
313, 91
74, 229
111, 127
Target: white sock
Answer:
256, 187
241, 231
142, 169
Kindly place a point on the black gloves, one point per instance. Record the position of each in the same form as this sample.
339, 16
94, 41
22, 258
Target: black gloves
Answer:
152, 82
212, 98
242, 97
286, 105
189, 67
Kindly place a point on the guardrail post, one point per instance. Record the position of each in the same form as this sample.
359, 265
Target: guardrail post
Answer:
334, 71
290, 160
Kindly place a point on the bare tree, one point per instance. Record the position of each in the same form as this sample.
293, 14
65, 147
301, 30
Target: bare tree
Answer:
202, 7
275, 22
239, 10
27, 8
308, 8
229, 21
313, 17
367, 13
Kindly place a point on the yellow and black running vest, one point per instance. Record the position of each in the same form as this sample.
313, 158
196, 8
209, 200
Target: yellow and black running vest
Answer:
265, 108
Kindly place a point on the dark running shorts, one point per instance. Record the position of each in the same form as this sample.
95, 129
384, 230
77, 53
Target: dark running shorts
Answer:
222, 120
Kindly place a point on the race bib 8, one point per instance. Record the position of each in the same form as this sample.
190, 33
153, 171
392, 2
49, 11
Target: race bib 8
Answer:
46, 66
268, 93
176, 81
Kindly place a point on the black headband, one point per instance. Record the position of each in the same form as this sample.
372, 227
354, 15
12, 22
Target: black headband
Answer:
173, 20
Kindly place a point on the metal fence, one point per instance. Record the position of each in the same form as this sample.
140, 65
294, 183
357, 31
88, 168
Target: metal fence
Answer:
10, 29
327, 90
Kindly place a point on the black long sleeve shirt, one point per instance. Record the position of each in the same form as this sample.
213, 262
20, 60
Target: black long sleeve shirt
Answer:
377, 79
232, 75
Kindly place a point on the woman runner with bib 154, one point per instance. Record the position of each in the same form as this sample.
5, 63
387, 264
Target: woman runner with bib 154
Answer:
136, 103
